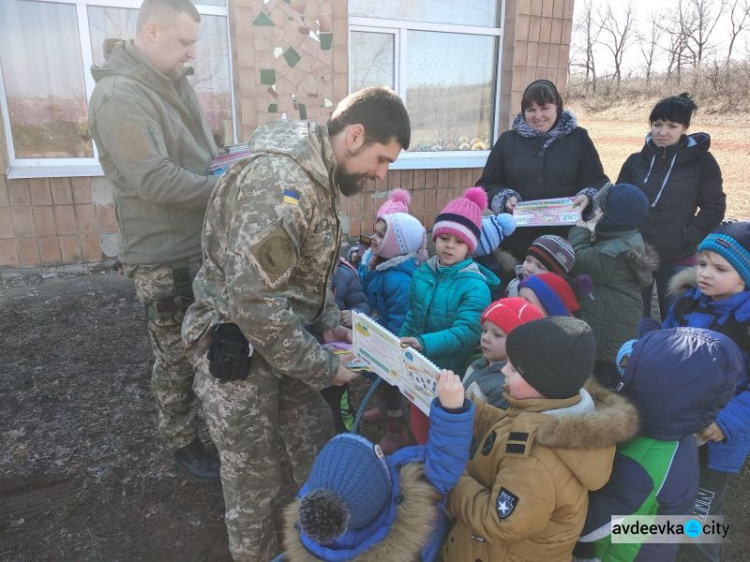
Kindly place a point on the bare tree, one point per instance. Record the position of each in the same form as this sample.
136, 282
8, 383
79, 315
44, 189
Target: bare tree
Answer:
676, 26
701, 21
649, 45
739, 18
619, 35
589, 29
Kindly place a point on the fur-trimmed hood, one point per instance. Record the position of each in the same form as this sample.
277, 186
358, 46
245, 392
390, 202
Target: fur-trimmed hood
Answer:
411, 529
615, 420
685, 280
644, 261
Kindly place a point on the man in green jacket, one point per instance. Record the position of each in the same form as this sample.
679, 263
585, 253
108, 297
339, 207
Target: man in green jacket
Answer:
155, 147
270, 248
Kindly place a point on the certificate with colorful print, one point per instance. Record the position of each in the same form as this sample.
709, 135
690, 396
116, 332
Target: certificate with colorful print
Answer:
403, 367
547, 212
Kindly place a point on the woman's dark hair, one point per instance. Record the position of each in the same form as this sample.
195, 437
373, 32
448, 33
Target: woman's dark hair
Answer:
542, 92
678, 109
379, 110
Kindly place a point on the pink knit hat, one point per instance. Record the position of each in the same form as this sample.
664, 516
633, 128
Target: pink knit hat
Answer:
462, 217
404, 235
397, 202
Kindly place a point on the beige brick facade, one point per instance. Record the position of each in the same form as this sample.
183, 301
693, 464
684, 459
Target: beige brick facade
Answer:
289, 57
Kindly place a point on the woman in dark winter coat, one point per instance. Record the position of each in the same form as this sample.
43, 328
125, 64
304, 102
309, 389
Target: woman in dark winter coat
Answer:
683, 184
544, 155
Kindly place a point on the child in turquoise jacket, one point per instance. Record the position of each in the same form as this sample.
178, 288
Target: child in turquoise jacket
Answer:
448, 294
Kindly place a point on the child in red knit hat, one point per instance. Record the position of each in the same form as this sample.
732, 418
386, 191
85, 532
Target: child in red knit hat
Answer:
484, 378
448, 293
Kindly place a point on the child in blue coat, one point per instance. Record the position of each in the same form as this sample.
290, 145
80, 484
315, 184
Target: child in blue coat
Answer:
359, 504
448, 294
720, 302
657, 473
398, 245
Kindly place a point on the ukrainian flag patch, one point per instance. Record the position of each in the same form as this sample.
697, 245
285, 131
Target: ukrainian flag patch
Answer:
291, 197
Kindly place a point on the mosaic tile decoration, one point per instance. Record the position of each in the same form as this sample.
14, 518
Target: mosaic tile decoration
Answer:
294, 57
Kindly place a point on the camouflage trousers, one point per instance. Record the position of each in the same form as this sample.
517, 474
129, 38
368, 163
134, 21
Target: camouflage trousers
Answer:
268, 430
172, 374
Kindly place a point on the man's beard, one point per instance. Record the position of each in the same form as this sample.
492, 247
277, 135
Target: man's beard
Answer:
349, 184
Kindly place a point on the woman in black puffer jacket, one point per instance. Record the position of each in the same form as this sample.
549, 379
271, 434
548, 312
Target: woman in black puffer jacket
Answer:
683, 184
545, 155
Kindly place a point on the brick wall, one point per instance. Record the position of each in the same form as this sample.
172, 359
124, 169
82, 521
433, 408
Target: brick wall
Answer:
288, 58
53, 221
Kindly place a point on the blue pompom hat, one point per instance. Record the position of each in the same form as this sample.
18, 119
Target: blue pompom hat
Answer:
353, 472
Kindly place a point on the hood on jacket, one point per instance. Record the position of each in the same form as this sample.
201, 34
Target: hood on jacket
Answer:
405, 538
304, 142
643, 264
692, 145
682, 281
407, 264
121, 58
469, 268
578, 439
701, 366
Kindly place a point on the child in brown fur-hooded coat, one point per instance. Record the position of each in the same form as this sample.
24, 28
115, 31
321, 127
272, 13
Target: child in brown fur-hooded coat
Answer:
524, 494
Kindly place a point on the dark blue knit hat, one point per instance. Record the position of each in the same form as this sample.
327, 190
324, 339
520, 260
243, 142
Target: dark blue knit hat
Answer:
699, 366
348, 487
624, 206
732, 242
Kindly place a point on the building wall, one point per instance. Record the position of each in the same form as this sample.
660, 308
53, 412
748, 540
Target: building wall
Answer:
289, 57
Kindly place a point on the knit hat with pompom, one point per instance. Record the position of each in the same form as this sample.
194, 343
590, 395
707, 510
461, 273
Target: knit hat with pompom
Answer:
462, 217
348, 487
397, 202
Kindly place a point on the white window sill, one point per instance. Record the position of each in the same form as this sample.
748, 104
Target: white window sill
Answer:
406, 161
440, 160
65, 171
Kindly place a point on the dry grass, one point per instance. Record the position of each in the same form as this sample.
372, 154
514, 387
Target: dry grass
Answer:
620, 131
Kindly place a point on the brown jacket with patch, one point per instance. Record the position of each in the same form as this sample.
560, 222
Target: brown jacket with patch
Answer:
524, 494
154, 147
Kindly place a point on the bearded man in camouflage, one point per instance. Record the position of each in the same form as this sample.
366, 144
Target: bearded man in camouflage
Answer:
270, 248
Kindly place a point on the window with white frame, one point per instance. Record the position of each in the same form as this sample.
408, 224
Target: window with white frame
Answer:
47, 48
442, 58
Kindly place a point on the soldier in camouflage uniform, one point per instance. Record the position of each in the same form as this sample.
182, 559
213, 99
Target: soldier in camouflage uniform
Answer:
270, 248
155, 147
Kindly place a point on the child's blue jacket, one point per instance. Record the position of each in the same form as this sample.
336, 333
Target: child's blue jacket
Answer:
734, 419
387, 289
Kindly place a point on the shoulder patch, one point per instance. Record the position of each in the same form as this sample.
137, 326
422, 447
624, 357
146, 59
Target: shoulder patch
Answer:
505, 504
489, 443
132, 141
291, 196
275, 254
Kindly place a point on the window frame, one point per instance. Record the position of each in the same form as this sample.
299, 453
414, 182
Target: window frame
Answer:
19, 168
400, 28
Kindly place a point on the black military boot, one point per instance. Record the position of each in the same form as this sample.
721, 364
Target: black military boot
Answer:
198, 462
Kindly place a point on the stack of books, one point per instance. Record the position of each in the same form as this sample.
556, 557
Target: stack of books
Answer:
228, 156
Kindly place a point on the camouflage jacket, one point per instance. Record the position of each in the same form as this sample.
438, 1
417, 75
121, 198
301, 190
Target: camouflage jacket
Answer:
270, 248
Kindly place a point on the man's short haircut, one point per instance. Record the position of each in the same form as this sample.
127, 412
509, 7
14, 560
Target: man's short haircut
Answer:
379, 110
161, 10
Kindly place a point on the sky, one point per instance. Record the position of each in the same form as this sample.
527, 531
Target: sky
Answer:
643, 10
